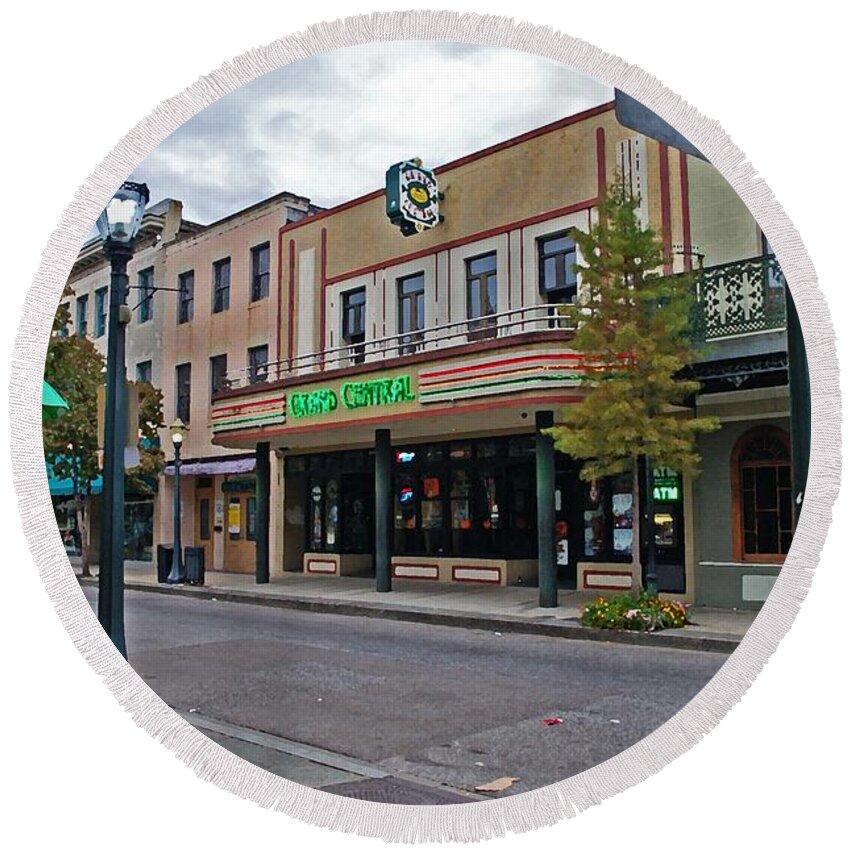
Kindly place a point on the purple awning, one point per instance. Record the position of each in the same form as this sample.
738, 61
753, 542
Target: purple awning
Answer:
214, 467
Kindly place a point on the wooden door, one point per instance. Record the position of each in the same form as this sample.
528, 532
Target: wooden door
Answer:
204, 510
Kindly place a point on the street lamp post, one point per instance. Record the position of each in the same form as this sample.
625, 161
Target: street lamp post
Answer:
178, 433
118, 226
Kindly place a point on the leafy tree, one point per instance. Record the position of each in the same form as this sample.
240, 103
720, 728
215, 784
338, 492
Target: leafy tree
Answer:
142, 477
75, 368
634, 327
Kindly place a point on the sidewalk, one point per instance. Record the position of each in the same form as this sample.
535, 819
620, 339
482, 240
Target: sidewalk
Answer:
503, 609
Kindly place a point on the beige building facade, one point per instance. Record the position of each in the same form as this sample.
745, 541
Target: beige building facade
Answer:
303, 344
381, 332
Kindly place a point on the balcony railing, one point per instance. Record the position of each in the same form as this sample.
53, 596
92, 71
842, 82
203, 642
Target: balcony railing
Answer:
539, 318
739, 299
733, 300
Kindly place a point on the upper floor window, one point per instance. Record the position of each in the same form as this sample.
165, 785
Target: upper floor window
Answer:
260, 272
63, 328
556, 256
145, 301
186, 302
221, 285
258, 364
763, 521
144, 372
482, 296
183, 395
82, 315
411, 312
218, 373
354, 323
100, 301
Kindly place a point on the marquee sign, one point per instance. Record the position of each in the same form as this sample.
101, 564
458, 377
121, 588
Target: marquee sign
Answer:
352, 395
413, 197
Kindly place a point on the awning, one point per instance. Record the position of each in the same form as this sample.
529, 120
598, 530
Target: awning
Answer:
214, 467
65, 486
52, 404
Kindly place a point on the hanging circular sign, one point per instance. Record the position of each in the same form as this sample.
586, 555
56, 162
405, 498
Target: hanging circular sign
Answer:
413, 197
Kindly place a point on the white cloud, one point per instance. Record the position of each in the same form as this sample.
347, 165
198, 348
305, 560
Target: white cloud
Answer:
329, 126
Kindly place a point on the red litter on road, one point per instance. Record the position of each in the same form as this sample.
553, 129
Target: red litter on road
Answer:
553, 721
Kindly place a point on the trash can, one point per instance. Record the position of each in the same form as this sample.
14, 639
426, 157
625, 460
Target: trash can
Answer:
164, 559
193, 561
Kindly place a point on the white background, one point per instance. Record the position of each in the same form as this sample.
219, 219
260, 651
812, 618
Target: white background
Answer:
78, 772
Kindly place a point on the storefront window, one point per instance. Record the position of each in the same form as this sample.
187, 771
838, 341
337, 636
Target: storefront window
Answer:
316, 524
460, 451
331, 513
622, 514
521, 447
595, 524
234, 518
405, 502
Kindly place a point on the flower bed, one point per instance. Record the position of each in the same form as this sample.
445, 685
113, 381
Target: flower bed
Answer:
642, 614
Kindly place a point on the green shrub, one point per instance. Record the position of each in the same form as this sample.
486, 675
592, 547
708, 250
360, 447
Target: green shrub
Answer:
642, 614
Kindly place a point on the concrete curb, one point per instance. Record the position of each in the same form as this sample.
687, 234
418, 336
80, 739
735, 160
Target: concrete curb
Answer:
569, 630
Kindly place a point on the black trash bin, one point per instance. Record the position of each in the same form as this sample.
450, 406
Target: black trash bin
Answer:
164, 559
193, 561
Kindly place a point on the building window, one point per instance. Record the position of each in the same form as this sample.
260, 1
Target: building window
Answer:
82, 315
145, 300
144, 371
763, 517
100, 311
221, 285
556, 256
411, 312
260, 272
482, 297
66, 311
184, 391
186, 304
258, 364
218, 373
354, 323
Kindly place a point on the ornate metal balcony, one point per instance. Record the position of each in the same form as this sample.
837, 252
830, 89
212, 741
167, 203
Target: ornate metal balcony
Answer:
740, 299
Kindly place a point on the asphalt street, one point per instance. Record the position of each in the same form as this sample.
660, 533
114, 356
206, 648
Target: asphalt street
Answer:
401, 711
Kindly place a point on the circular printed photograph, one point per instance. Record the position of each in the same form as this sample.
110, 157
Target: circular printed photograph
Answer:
426, 443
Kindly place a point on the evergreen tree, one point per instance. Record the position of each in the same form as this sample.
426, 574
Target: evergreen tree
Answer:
634, 327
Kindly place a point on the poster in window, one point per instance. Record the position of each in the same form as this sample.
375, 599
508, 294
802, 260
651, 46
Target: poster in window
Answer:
234, 518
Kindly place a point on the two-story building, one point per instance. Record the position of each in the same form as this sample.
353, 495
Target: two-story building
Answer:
446, 346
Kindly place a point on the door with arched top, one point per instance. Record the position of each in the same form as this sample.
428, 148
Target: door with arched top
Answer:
763, 512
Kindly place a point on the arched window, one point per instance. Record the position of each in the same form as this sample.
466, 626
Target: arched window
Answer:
762, 510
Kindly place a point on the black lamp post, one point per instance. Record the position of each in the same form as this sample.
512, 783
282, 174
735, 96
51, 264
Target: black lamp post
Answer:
118, 226
178, 433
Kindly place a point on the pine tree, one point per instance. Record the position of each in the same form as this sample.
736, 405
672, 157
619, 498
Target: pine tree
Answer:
634, 327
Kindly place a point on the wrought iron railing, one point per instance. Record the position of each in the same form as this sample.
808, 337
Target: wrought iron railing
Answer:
537, 318
739, 299
732, 300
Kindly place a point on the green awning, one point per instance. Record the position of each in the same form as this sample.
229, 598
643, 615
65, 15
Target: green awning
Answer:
52, 404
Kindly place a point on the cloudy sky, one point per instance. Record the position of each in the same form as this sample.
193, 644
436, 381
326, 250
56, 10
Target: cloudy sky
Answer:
328, 127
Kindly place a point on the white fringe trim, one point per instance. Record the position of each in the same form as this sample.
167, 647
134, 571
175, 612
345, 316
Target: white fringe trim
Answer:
465, 822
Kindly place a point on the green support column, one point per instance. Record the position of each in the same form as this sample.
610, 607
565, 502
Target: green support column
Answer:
383, 511
545, 455
801, 402
263, 492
